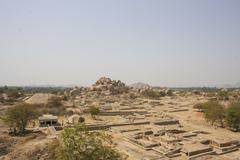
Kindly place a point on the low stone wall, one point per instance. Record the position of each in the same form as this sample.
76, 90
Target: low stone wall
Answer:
115, 113
100, 127
166, 122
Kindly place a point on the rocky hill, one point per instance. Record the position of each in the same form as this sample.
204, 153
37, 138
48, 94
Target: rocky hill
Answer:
106, 84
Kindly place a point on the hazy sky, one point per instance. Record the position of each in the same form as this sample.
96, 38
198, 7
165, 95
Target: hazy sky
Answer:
160, 42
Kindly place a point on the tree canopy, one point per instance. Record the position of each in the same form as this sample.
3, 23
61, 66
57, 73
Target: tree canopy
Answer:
93, 110
19, 116
199, 106
214, 112
233, 116
77, 143
150, 93
54, 101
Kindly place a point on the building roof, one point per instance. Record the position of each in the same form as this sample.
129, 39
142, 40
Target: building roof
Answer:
48, 117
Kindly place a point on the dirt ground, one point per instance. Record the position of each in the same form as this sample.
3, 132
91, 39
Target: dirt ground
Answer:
32, 146
39, 98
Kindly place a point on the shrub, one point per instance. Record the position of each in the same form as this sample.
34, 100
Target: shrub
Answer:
54, 101
214, 112
150, 93
93, 110
199, 106
13, 94
233, 116
223, 95
77, 143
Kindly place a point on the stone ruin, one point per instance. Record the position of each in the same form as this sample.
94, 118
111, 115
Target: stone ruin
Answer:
170, 142
222, 146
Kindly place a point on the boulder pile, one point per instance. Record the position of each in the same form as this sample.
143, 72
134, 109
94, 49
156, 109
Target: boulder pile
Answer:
106, 84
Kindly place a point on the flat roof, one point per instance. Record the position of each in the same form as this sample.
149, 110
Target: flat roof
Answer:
48, 117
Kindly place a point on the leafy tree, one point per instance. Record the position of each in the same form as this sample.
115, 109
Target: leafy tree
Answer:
5, 87
214, 112
93, 110
54, 101
19, 116
150, 93
223, 95
211, 94
13, 94
233, 116
199, 106
77, 143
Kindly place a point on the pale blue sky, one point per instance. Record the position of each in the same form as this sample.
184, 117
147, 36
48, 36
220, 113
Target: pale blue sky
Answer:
160, 42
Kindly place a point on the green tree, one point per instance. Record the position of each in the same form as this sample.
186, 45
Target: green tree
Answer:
199, 106
150, 93
5, 87
233, 116
54, 101
214, 112
19, 116
13, 94
93, 110
223, 95
77, 143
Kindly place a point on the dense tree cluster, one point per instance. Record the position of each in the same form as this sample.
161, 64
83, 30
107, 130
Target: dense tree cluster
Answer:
233, 116
10, 95
150, 93
216, 113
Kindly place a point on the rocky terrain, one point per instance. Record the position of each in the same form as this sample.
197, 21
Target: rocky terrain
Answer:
143, 127
107, 85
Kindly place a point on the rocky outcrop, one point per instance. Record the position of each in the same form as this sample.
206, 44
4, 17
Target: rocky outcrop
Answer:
106, 84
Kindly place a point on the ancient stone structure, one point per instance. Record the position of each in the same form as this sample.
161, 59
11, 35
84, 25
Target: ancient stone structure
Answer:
48, 120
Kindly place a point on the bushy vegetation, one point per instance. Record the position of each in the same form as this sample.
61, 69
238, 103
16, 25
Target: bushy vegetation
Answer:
54, 111
199, 106
54, 101
214, 112
77, 143
93, 110
10, 95
150, 93
233, 116
211, 94
223, 95
53, 90
18, 117
119, 90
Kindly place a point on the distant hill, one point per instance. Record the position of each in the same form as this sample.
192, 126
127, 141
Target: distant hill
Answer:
237, 85
140, 85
